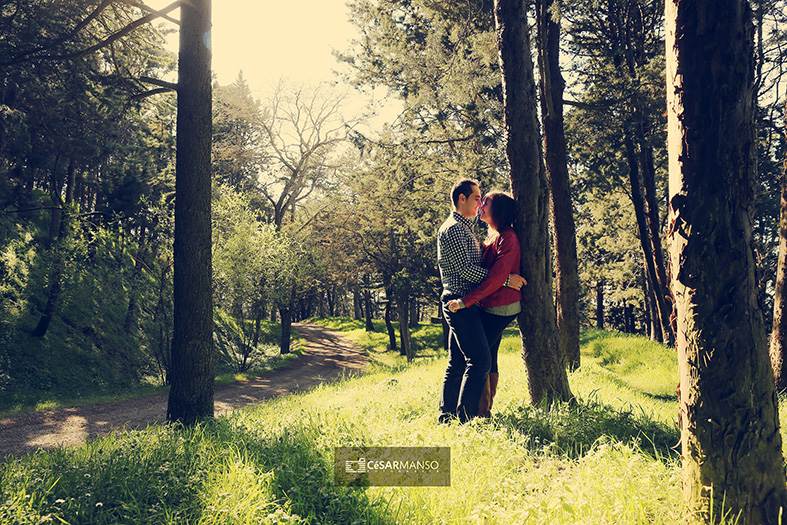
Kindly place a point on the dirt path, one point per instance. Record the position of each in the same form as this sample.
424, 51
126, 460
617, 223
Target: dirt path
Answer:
327, 356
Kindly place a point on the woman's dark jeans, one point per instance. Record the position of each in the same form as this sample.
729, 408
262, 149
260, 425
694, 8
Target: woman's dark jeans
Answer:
494, 325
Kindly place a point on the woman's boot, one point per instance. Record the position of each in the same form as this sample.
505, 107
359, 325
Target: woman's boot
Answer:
485, 404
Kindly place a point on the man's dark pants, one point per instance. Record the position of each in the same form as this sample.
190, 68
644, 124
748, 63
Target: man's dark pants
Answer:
468, 363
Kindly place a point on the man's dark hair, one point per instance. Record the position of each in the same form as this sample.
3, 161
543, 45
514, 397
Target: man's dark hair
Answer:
462, 187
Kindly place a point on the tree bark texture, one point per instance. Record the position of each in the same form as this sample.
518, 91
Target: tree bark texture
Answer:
285, 312
662, 308
547, 377
389, 326
367, 307
650, 319
731, 445
600, 304
661, 285
403, 309
648, 169
779, 330
191, 395
556, 158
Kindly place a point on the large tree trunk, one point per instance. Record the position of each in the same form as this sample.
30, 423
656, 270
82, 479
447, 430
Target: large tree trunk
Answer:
779, 330
563, 228
547, 378
191, 395
731, 445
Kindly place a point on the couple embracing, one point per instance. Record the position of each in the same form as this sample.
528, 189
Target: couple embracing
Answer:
481, 296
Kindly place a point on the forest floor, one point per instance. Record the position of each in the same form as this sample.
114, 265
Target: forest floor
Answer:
328, 356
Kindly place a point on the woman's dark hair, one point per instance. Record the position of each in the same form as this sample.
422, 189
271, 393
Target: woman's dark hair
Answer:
502, 210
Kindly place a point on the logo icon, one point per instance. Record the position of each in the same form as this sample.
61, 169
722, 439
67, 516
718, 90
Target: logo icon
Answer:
355, 467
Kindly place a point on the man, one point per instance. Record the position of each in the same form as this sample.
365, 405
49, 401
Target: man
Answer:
459, 260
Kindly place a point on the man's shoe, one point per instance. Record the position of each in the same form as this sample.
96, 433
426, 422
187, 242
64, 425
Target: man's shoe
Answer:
446, 418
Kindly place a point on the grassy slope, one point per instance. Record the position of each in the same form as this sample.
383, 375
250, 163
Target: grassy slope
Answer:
608, 460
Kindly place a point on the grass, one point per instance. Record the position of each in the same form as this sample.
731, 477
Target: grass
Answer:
606, 459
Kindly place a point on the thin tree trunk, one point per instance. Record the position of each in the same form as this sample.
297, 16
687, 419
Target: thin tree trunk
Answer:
779, 330
648, 167
547, 379
367, 296
663, 310
600, 304
60, 261
255, 340
648, 170
389, 326
730, 440
330, 296
191, 394
403, 309
285, 312
413, 317
131, 311
162, 321
556, 157
650, 331
357, 311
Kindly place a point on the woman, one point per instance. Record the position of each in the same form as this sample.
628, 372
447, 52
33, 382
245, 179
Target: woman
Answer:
500, 304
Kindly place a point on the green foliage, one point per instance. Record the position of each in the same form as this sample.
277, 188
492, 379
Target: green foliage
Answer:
608, 250
441, 60
234, 354
254, 262
237, 135
606, 459
618, 81
86, 349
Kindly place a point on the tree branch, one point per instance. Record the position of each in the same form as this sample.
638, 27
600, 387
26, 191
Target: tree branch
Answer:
152, 92
115, 36
81, 25
160, 14
161, 83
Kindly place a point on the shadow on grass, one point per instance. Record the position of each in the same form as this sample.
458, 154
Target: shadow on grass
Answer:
206, 474
573, 429
588, 335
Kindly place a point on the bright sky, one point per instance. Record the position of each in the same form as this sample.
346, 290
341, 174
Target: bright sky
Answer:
268, 40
